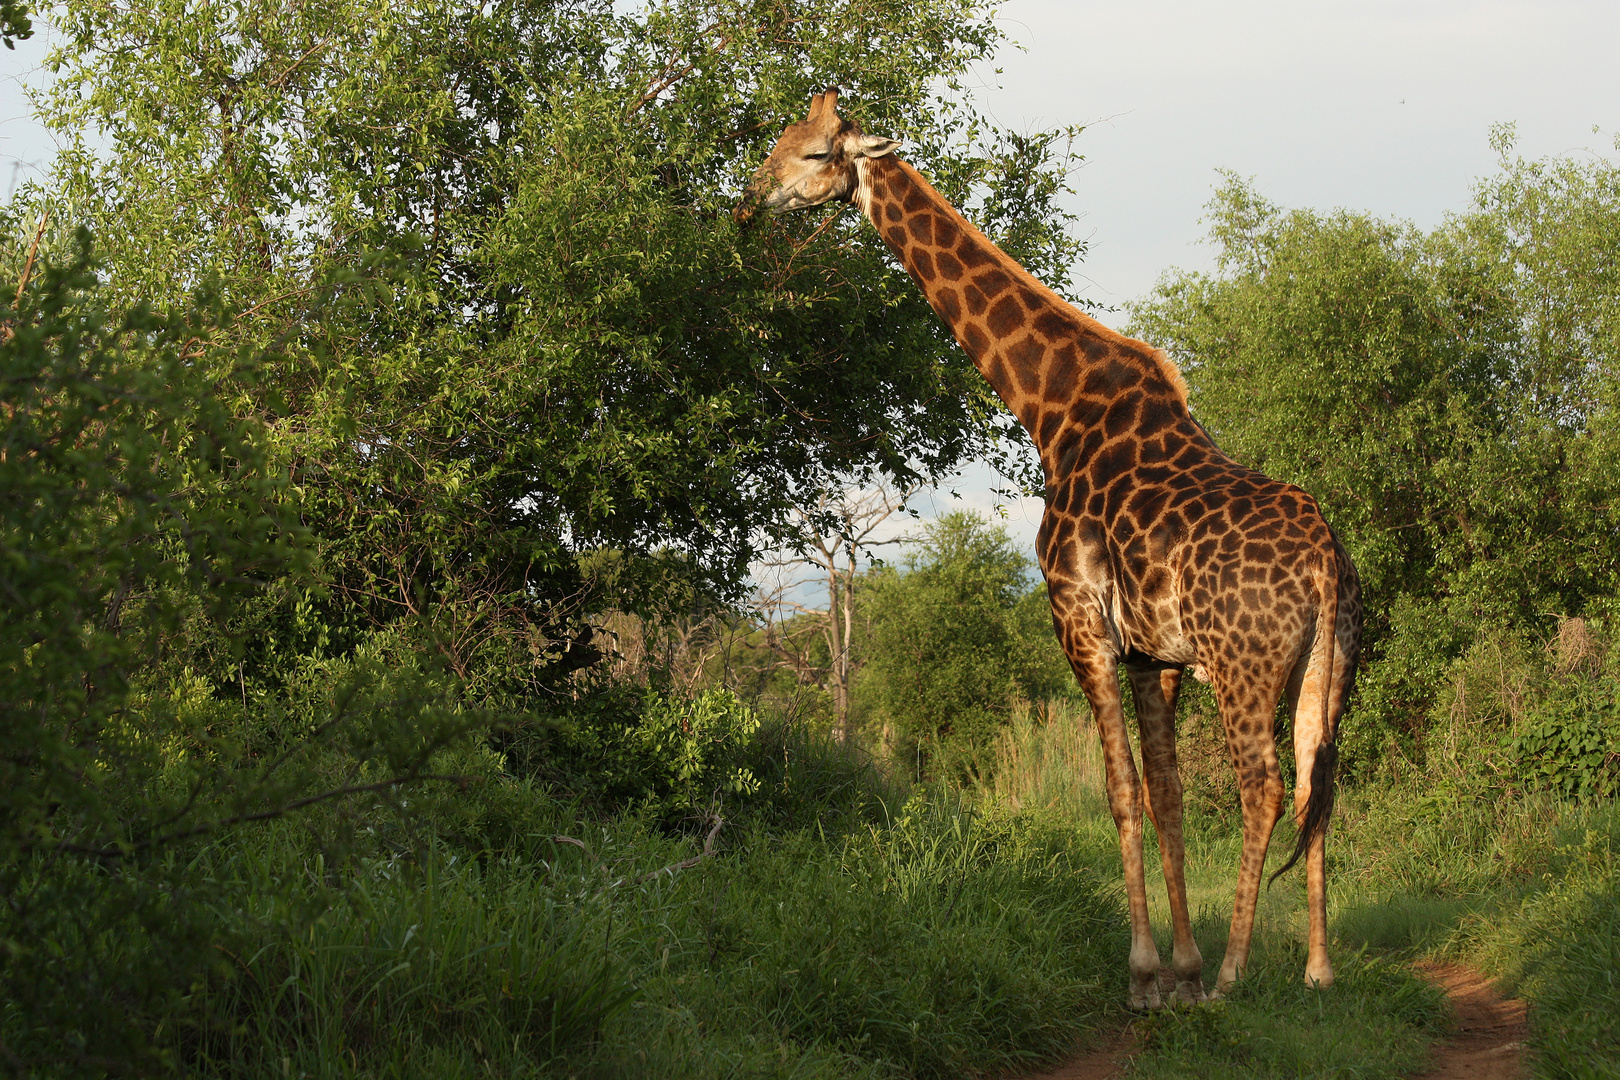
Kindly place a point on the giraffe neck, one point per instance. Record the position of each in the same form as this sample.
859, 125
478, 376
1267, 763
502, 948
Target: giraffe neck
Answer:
1059, 371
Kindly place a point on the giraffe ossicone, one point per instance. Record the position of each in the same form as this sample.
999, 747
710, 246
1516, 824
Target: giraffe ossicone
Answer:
1160, 553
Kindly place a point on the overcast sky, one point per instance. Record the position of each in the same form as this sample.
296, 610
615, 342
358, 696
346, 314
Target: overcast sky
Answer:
1377, 105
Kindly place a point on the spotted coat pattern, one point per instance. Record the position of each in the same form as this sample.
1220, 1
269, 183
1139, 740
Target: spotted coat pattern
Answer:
1159, 551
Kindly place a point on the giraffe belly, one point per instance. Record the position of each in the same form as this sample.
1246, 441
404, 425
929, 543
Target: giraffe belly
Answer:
1155, 634
1146, 628
1081, 571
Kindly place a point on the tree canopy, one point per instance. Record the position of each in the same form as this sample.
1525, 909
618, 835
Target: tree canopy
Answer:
525, 365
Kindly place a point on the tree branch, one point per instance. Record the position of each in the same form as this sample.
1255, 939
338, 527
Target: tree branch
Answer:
122, 851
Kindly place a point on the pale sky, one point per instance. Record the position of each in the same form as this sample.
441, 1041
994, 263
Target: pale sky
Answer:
1378, 105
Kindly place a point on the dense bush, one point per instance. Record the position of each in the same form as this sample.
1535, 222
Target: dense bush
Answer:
956, 635
660, 752
133, 506
1570, 742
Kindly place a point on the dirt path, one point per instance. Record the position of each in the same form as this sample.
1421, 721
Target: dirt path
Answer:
1488, 1043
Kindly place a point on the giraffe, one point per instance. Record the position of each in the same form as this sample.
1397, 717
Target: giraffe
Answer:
1159, 551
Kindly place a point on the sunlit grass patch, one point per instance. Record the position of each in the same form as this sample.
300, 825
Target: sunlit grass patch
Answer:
1561, 950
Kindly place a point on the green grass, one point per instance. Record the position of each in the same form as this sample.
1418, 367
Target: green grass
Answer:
1560, 948
846, 928
1376, 1021
907, 938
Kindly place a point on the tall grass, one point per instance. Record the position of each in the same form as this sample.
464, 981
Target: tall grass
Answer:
1048, 758
437, 967
839, 927
1560, 948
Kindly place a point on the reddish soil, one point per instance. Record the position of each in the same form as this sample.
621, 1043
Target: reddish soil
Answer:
1488, 1043
1100, 1064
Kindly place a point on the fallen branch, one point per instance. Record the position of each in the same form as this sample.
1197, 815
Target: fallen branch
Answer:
684, 864
577, 843
687, 864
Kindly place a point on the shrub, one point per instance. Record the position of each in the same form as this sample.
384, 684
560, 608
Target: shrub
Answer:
1570, 742
624, 746
954, 641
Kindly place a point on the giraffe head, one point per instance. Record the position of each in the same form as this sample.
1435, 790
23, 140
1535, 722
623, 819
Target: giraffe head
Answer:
814, 162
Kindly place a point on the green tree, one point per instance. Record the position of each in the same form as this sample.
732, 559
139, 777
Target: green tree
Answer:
1448, 396
132, 504
138, 518
555, 375
954, 639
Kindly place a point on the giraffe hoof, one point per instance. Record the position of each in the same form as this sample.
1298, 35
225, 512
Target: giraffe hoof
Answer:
1147, 1000
1190, 993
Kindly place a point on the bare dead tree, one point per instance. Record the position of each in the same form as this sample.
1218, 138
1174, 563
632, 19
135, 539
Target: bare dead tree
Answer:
844, 531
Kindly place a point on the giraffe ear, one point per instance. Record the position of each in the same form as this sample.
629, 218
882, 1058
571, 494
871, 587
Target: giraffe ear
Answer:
872, 146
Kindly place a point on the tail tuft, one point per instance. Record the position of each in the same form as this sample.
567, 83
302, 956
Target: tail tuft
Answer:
1320, 807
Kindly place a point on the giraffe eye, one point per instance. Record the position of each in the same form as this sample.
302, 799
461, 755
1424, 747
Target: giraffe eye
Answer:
816, 157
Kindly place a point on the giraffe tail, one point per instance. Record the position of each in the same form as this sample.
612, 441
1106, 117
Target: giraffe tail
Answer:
1319, 804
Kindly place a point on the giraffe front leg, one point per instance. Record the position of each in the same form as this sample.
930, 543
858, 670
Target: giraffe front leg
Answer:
1125, 802
1156, 692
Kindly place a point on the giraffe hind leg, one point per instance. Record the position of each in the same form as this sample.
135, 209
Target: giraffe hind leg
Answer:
1316, 755
1155, 691
1248, 706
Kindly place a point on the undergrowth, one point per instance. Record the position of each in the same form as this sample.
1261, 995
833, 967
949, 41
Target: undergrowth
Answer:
813, 919
824, 924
